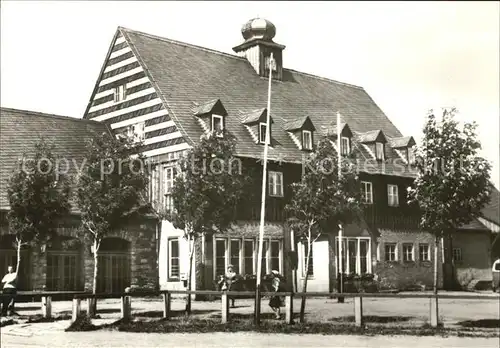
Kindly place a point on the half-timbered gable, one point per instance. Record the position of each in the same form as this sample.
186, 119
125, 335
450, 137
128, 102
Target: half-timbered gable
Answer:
125, 98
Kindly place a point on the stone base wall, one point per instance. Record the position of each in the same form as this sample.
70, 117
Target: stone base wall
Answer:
406, 274
143, 258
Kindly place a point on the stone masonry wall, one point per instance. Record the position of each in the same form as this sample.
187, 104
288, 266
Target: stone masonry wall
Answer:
143, 258
404, 274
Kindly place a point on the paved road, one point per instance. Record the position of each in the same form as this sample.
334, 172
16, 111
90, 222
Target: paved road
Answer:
52, 335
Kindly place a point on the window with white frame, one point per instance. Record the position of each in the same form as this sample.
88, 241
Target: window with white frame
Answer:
408, 252
379, 151
220, 256
173, 259
242, 254
345, 146
275, 256
248, 256
423, 252
392, 195
307, 142
120, 93
262, 133
310, 267
356, 255
457, 254
367, 192
276, 184
390, 251
235, 254
153, 185
137, 131
169, 173
217, 124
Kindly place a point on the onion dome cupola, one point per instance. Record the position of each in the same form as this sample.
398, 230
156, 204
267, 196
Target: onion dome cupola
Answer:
258, 46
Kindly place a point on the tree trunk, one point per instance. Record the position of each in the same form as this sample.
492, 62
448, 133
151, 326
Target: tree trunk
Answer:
436, 248
93, 301
304, 287
94, 286
191, 253
19, 244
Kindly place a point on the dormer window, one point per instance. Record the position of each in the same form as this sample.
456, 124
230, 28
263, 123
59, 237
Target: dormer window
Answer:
379, 151
262, 132
120, 93
307, 142
345, 146
218, 124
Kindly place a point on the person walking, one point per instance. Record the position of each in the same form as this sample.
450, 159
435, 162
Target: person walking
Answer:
9, 282
277, 285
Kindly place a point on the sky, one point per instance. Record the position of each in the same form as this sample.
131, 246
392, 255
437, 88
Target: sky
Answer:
409, 56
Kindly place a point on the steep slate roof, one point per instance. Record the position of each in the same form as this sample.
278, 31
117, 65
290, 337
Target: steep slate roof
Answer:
401, 142
295, 124
184, 73
20, 130
371, 136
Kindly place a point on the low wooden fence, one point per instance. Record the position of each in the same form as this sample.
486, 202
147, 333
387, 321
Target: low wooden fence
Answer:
126, 300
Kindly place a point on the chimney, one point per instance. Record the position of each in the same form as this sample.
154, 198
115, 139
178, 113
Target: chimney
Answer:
258, 46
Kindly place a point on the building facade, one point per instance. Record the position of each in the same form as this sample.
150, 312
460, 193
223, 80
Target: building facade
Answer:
168, 93
127, 258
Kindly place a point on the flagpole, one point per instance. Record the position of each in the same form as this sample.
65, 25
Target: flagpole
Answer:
339, 159
263, 198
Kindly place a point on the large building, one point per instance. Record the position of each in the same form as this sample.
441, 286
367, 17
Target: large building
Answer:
65, 262
169, 93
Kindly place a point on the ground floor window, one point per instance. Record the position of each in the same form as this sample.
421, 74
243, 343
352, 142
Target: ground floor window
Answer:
408, 252
173, 259
390, 251
423, 252
356, 255
242, 254
457, 254
63, 271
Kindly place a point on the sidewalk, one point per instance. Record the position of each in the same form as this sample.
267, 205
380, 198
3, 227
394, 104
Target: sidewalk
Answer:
47, 335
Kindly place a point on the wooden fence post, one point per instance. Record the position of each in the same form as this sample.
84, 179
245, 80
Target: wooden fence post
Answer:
46, 306
125, 308
257, 307
225, 307
289, 309
434, 311
91, 306
75, 313
358, 311
167, 300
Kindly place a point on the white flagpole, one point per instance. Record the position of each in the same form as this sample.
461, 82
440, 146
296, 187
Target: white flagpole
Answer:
339, 158
264, 177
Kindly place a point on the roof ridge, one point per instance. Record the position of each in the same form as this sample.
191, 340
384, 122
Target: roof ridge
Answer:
324, 78
44, 114
182, 43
